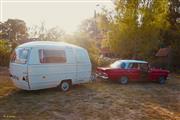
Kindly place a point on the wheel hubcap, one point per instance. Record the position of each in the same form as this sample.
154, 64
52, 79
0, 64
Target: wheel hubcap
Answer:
65, 86
161, 80
124, 80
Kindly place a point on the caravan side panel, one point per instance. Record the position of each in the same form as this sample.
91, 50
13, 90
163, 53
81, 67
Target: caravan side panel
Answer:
83, 65
49, 74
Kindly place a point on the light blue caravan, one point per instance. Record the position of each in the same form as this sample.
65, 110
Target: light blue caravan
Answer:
45, 64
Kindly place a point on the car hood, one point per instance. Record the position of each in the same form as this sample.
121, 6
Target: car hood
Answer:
103, 68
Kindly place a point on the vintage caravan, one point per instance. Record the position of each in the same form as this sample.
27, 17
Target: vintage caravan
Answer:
45, 64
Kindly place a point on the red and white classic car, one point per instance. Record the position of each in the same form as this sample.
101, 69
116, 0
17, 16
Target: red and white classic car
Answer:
132, 70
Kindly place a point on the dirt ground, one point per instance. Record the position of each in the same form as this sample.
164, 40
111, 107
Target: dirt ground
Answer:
100, 100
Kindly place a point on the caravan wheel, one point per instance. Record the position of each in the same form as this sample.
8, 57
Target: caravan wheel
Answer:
65, 85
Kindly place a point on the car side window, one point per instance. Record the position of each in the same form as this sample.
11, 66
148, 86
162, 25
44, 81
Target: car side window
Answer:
133, 65
122, 65
130, 65
144, 67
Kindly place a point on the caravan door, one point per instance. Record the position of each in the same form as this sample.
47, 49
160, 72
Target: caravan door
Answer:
19, 68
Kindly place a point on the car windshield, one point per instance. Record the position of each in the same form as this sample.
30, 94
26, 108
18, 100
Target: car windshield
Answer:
118, 64
20, 55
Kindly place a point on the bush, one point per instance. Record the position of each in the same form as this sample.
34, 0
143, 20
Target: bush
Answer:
100, 61
103, 62
94, 60
5, 51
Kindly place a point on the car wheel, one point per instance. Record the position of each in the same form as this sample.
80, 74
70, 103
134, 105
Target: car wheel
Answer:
65, 85
162, 80
123, 80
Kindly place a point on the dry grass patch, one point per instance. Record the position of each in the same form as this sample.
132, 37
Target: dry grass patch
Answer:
102, 100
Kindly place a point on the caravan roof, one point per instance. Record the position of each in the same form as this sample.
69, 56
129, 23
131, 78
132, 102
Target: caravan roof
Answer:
48, 43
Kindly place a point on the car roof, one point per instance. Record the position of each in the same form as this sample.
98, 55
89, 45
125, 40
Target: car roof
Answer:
48, 44
132, 61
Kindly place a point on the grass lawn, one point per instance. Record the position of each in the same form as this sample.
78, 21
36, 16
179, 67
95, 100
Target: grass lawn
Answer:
101, 100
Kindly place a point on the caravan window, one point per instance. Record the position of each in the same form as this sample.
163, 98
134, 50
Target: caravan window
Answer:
20, 56
81, 56
52, 56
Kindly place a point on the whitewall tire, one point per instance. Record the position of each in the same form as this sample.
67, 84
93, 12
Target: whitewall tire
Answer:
123, 80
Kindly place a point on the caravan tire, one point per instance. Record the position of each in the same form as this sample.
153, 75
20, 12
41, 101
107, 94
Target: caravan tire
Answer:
65, 85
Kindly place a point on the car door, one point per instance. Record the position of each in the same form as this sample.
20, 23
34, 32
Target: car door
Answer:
133, 71
144, 71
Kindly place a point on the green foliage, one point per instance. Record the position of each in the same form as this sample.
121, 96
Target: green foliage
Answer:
137, 28
104, 61
89, 26
94, 60
11, 31
84, 40
5, 51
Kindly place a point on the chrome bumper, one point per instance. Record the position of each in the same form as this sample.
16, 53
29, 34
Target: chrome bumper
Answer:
99, 75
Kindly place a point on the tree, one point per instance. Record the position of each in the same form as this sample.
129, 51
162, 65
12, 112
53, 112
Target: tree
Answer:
89, 26
42, 33
13, 30
172, 35
5, 51
137, 28
174, 13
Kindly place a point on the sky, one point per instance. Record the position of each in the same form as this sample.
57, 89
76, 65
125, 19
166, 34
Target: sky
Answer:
65, 14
